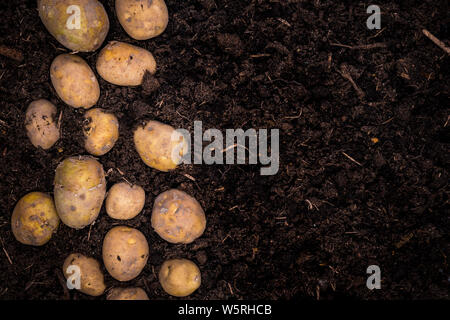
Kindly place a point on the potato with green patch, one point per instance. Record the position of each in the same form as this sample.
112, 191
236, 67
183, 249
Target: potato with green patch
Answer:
124, 64
143, 19
34, 219
179, 277
91, 280
125, 252
127, 294
101, 131
79, 189
124, 201
80, 25
41, 124
74, 81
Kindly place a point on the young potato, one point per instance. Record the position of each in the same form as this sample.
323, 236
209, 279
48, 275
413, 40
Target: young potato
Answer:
125, 252
177, 217
127, 294
179, 277
144, 19
34, 219
124, 64
74, 81
91, 277
80, 25
159, 145
101, 131
80, 188
41, 124
124, 201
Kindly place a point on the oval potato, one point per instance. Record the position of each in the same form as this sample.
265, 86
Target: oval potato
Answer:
101, 131
127, 294
41, 124
179, 277
91, 277
124, 201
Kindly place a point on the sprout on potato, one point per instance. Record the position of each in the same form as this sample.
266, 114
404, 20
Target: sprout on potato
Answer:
101, 131
79, 189
74, 81
41, 124
34, 219
91, 279
179, 277
124, 64
124, 201
125, 252
127, 294
177, 217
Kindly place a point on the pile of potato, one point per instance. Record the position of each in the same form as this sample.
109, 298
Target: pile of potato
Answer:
79, 182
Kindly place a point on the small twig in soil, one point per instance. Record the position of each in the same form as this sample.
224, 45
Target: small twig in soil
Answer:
346, 74
189, 176
436, 41
260, 55
351, 159
6, 252
63, 284
11, 53
362, 46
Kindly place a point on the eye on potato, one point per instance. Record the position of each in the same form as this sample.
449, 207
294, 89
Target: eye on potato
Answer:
101, 131
80, 25
127, 294
179, 277
159, 145
124, 201
177, 217
74, 81
124, 64
91, 277
125, 252
34, 219
144, 19
79, 190
41, 124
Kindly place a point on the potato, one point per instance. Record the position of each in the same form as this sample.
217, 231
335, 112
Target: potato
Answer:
124, 64
124, 201
91, 277
159, 145
177, 217
179, 277
125, 252
74, 81
127, 294
41, 124
80, 25
144, 19
101, 131
80, 188
34, 219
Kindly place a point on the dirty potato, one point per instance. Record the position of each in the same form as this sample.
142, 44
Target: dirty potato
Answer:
179, 277
127, 294
124, 201
101, 131
41, 124
91, 279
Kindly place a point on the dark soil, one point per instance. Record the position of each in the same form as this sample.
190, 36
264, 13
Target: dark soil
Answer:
341, 201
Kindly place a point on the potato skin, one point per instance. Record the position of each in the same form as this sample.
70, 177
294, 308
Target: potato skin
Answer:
144, 19
74, 81
34, 219
91, 280
41, 124
101, 131
79, 190
124, 64
127, 294
57, 16
157, 147
124, 201
125, 252
177, 217
179, 277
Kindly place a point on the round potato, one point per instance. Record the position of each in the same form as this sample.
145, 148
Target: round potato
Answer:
124, 201
80, 188
144, 19
125, 252
91, 280
124, 64
179, 277
41, 124
80, 25
127, 294
160, 146
101, 131
177, 217
74, 81
34, 219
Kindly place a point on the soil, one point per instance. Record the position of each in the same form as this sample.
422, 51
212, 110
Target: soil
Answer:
363, 176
